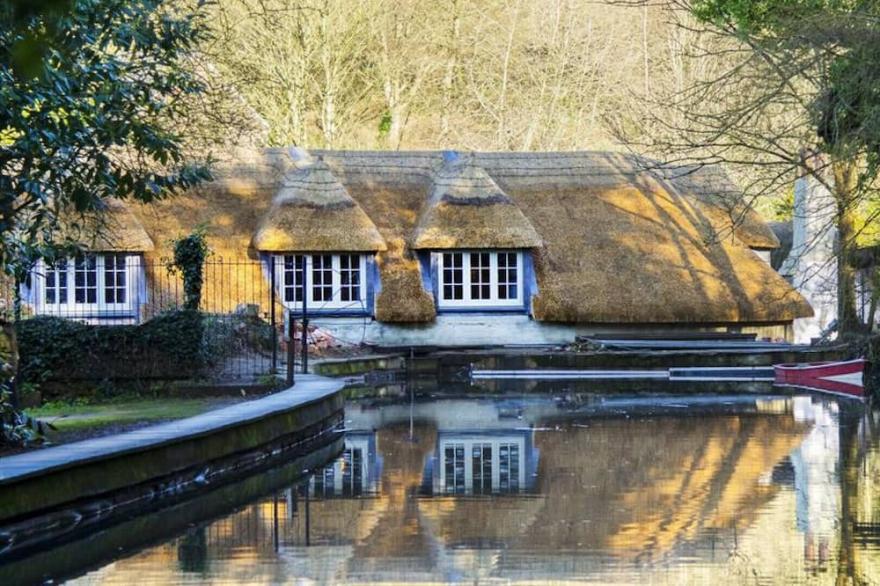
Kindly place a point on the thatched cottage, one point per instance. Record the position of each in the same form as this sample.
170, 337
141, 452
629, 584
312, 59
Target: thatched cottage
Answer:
442, 248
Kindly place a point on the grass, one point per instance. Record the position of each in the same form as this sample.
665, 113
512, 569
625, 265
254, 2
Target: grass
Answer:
79, 417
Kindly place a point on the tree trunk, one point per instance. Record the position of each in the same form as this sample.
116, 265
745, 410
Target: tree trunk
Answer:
845, 177
451, 67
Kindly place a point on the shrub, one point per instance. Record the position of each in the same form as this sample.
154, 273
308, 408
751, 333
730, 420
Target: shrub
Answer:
53, 349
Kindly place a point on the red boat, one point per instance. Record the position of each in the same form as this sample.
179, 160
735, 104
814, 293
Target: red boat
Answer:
839, 378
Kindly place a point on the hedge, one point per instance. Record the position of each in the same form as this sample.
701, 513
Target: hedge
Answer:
169, 346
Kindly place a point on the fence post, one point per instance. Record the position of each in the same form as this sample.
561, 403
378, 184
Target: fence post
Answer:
305, 343
305, 320
272, 315
291, 353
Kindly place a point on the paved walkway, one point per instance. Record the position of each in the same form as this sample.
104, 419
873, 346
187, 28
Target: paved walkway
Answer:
308, 388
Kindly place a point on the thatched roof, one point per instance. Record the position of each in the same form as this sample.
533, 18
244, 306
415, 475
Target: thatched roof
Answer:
312, 211
114, 229
467, 209
719, 199
618, 244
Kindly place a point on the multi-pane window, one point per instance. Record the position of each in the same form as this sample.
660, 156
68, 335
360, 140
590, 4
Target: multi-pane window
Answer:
352, 472
115, 277
480, 279
508, 467
350, 277
335, 281
452, 274
292, 283
481, 275
86, 285
508, 275
481, 468
85, 279
322, 277
56, 283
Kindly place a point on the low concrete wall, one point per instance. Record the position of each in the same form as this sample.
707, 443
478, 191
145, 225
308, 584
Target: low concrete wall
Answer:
85, 548
41, 480
356, 365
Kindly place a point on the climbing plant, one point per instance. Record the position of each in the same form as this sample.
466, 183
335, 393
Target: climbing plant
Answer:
190, 253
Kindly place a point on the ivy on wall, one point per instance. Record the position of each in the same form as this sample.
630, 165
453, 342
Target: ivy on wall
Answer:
190, 253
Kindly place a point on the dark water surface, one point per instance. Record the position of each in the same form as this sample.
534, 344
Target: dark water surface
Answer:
713, 490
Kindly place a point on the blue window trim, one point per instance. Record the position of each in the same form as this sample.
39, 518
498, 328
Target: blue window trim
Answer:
373, 286
431, 282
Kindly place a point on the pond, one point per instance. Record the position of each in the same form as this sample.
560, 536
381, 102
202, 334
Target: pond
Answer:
671, 490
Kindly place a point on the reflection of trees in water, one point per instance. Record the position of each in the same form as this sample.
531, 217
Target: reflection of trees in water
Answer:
642, 487
859, 550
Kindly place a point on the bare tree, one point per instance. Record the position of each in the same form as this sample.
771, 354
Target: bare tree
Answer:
754, 104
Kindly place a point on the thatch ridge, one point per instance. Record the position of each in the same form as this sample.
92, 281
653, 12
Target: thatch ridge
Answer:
721, 203
312, 211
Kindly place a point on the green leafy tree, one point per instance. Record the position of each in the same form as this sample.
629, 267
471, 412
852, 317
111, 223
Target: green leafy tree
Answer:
836, 47
91, 92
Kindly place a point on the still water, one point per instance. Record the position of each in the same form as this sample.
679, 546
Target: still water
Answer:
713, 490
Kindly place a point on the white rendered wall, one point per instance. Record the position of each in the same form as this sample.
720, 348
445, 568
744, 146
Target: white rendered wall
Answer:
811, 266
453, 329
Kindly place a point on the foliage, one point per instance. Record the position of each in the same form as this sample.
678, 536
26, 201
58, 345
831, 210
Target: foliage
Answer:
845, 34
168, 346
90, 95
16, 428
190, 253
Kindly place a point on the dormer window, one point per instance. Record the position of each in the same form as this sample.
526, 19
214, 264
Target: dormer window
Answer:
480, 279
335, 281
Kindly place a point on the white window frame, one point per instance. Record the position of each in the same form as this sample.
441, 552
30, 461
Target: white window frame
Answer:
359, 304
493, 300
100, 307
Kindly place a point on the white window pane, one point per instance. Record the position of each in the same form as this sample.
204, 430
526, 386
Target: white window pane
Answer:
85, 279
322, 277
453, 275
508, 275
480, 272
350, 277
114, 278
292, 278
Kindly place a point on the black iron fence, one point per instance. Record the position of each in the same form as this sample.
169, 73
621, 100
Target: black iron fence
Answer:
244, 335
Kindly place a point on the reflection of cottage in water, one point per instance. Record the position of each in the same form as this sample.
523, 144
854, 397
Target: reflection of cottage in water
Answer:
663, 499
496, 462
355, 473
816, 478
